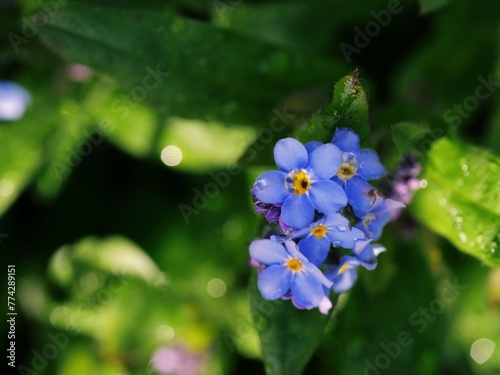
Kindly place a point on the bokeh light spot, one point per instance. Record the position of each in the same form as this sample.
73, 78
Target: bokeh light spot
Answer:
171, 156
165, 333
482, 350
7, 187
216, 288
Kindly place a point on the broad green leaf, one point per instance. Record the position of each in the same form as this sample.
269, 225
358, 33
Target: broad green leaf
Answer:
349, 108
114, 255
184, 67
288, 336
428, 76
405, 133
302, 25
432, 5
205, 146
462, 198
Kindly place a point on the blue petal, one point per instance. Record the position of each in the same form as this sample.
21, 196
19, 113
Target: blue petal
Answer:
270, 187
14, 100
367, 254
268, 252
364, 252
311, 146
294, 252
274, 282
345, 239
324, 161
306, 289
368, 233
290, 154
342, 283
335, 220
317, 274
361, 195
377, 206
346, 140
376, 226
327, 196
315, 249
297, 211
369, 166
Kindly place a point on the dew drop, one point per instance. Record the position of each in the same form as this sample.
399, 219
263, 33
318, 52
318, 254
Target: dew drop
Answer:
493, 247
336, 243
462, 237
342, 228
460, 183
465, 168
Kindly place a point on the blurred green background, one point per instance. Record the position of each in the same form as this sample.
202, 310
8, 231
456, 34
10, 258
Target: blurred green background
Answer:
124, 187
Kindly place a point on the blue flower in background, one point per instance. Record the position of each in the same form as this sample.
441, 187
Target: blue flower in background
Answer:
332, 229
357, 166
345, 274
372, 221
13, 101
288, 272
302, 183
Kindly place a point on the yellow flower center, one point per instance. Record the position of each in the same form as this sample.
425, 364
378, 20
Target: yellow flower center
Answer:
298, 182
319, 231
344, 268
294, 265
348, 167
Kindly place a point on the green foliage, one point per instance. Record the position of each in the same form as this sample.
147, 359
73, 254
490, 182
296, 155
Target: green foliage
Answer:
98, 239
404, 134
461, 201
288, 336
432, 5
349, 108
183, 67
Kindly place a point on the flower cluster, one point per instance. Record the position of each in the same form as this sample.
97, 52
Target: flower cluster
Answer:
328, 213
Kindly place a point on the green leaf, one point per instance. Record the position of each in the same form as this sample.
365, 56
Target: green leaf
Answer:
462, 198
114, 255
349, 108
405, 133
183, 67
288, 336
432, 5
